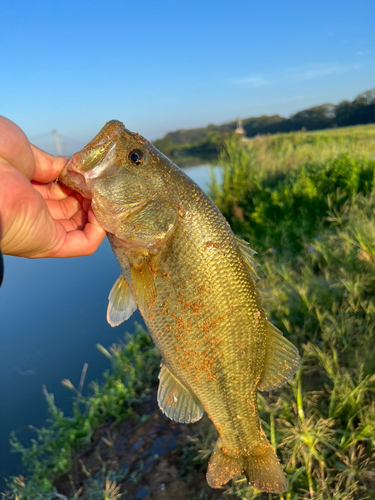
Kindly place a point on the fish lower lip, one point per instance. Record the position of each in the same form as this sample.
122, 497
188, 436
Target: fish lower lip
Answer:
71, 166
74, 179
68, 169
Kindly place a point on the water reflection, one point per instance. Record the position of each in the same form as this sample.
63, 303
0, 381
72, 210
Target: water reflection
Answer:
201, 174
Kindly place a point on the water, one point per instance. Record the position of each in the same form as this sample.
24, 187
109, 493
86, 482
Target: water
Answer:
52, 314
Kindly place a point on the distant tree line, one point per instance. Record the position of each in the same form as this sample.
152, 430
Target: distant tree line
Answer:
206, 141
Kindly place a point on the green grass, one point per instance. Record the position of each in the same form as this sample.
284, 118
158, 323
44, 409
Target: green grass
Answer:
312, 221
135, 366
277, 204
306, 203
280, 153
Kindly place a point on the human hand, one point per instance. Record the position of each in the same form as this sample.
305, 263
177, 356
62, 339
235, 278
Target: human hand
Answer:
38, 217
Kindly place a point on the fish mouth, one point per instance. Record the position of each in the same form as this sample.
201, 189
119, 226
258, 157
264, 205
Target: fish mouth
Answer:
74, 179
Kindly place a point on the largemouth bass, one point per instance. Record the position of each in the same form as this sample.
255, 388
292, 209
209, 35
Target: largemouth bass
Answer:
193, 281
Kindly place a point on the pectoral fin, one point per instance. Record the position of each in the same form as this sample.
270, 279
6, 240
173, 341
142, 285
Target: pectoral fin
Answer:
121, 303
282, 361
143, 285
177, 402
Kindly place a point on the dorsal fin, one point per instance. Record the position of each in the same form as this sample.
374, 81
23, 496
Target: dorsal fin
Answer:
121, 303
282, 361
177, 402
248, 254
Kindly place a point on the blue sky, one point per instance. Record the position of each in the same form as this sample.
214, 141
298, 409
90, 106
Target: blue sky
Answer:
160, 65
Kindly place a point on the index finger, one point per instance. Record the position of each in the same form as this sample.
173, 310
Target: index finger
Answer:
48, 167
52, 191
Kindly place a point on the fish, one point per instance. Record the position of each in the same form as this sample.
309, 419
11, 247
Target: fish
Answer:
193, 281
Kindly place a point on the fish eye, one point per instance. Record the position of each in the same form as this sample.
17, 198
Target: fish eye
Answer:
136, 156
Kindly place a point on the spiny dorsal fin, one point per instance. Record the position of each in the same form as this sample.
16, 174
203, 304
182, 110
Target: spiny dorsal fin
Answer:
248, 254
143, 285
121, 303
177, 402
283, 361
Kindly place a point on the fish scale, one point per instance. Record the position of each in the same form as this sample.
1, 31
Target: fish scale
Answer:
208, 266
193, 282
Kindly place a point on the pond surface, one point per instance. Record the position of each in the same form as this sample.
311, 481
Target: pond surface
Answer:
52, 314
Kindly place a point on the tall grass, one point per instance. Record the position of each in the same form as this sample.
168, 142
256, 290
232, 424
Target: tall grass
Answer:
312, 222
279, 209
323, 422
280, 153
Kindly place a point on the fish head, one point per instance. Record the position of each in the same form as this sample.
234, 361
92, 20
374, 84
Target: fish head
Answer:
120, 172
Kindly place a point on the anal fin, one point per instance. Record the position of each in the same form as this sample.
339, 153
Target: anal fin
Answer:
177, 402
121, 303
282, 362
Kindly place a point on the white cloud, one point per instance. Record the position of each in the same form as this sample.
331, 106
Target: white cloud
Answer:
301, 74
251, 81
317, 71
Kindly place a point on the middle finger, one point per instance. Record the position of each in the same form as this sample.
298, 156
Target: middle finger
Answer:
64, 209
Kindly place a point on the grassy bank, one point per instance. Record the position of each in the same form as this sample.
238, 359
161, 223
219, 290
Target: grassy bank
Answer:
277, 189
122, 395
306, 203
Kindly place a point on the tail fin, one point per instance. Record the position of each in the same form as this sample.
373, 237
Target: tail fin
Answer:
262, 469
222, 467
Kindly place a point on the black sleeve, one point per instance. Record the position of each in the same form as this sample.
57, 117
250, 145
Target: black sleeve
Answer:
1, 267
